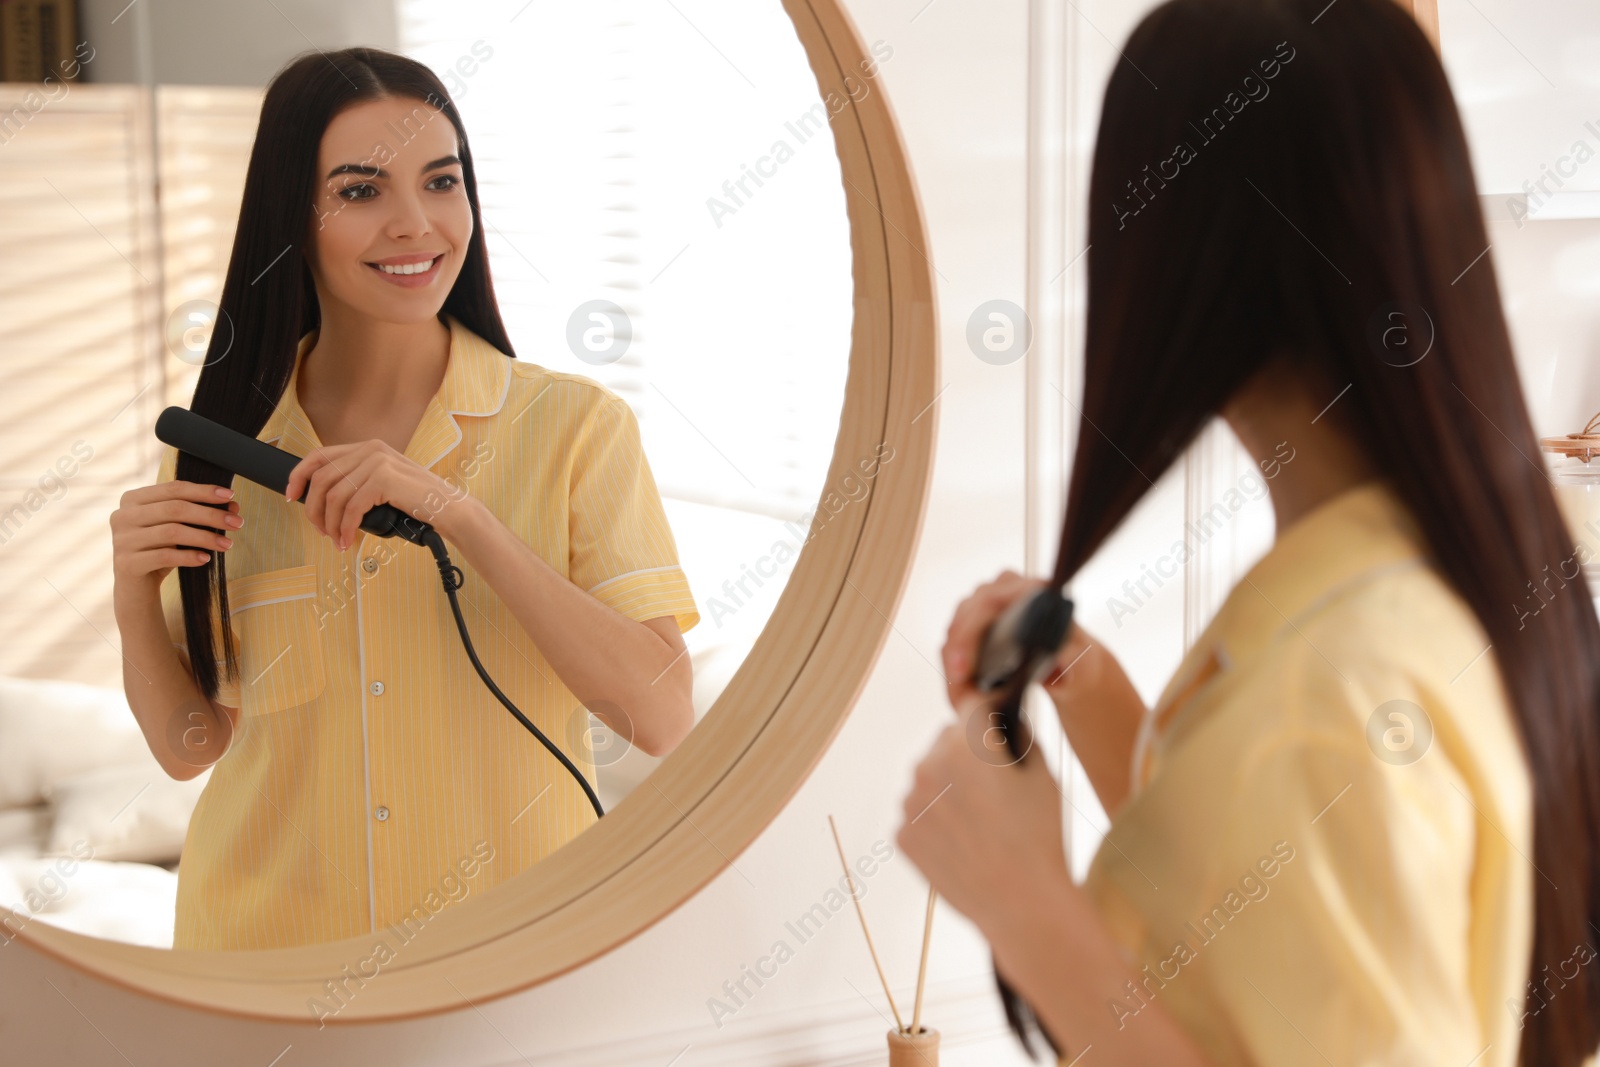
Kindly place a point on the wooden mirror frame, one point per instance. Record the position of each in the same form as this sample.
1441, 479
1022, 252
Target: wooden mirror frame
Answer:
724, 784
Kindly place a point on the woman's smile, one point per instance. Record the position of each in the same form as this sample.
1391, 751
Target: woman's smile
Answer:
410, 271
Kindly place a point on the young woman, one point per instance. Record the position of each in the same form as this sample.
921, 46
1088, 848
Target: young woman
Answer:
363, 775
1359, 825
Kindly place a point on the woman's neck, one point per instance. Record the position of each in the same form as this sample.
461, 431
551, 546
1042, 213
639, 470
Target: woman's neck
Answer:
1276, 407
360, 367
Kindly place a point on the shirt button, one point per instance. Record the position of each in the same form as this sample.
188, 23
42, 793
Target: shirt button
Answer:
382, 813
376, 689
370, 565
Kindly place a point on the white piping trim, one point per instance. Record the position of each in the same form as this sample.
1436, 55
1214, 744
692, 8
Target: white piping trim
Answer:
451, 413
366, 765
234, 610
451, 447
631, 574
505, 386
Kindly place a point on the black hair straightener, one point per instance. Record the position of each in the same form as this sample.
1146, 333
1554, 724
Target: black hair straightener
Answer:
1018, 649
269, 466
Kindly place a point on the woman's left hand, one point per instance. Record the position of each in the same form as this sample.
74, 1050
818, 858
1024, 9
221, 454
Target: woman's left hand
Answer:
346, 481
978, 825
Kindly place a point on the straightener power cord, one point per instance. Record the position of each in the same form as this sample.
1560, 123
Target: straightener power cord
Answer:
269, 466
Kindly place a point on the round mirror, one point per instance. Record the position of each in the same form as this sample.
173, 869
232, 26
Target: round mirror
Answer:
713, 220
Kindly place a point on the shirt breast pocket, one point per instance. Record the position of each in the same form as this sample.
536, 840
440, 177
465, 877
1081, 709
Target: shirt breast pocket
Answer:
280, 646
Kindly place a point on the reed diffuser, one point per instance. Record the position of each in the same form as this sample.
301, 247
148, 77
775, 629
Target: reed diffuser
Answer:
909, 1046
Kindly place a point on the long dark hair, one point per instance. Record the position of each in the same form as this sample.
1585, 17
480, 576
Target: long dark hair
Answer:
269, 298
1314, 206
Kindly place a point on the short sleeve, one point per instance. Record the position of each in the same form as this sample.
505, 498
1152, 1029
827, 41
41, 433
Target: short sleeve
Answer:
622, 551
1339, 924
172, 604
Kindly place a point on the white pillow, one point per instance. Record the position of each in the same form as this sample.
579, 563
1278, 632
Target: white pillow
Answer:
136, 812
129, 902
51, 730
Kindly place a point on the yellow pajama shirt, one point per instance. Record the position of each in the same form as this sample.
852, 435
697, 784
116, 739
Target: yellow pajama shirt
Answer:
372, 773
1326, 855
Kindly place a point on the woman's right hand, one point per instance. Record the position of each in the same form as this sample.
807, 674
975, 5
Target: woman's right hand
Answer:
974, 615
1098, 706
1065, 680
159, 527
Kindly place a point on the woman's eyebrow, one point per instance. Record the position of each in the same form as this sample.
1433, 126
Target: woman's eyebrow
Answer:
378, 172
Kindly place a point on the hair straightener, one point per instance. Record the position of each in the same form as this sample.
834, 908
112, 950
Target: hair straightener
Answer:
1018, 649
269, 466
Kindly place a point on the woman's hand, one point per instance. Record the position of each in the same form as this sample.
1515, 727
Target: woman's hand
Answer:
344, 482
158, 527
977, 820
1068, 679
1098, 706
972, 618
978, 826
985, 831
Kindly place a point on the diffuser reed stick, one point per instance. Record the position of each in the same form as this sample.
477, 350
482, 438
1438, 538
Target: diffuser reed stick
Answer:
927, 932
922, 968
860, 915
